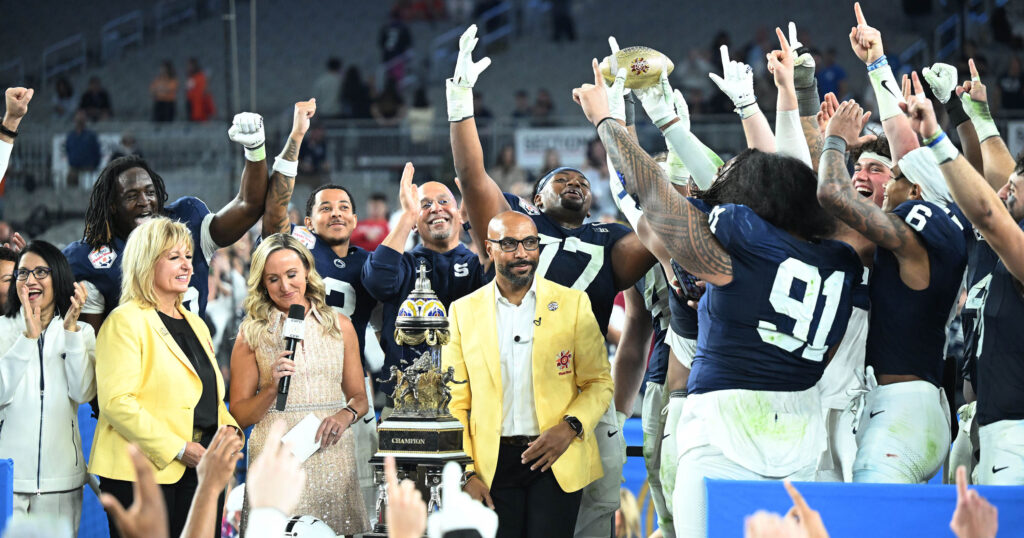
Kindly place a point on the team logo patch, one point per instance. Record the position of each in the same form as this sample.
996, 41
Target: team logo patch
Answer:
552, 306
562, 362
304, 236
339, 263
639, 66
103, 257
529, 208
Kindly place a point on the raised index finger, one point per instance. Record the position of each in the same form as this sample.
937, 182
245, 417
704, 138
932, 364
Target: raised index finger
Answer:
860, 14
918, 88
390, 472
725, 56
961, 483
974, 70
798, 499
598, 77
782, 40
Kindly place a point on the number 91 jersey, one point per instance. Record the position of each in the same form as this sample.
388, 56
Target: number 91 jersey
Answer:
579, 258
789, 301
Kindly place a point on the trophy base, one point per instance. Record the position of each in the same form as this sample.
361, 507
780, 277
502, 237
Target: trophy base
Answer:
424, 471
426, 438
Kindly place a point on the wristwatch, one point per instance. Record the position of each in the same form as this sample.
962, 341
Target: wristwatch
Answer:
575, 424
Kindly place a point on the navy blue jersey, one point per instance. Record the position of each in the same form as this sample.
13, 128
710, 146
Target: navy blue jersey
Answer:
102, 266
390, 276
343, 278
789, 302
1000, 369
654, 289
684, 318
980, 262
907, 334
580, 258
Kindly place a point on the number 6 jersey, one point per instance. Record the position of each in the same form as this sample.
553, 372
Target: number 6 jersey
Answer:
789, 301
580, 258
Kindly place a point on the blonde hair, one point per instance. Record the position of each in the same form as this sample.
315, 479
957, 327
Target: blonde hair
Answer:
630, 512
258, 305
146, 244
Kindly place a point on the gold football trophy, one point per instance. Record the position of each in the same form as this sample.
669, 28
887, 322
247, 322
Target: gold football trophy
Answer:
643, 66
421, 434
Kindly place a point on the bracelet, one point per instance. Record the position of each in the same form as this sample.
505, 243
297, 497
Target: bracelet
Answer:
285, 167
8, 132
834, 142
355, 416
934, 139
880, 62
468, 475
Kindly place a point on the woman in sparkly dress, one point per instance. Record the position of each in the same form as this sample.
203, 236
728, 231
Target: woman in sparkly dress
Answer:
326, 379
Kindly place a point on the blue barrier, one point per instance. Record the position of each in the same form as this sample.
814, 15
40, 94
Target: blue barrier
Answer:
858, 509
6, 492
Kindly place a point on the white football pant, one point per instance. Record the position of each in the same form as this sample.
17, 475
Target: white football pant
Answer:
596, 518
1002, 453
652, 419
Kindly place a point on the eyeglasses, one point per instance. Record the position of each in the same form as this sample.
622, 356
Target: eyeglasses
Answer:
509, 244
39, 272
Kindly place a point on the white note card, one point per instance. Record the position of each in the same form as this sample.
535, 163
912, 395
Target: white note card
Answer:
302, 436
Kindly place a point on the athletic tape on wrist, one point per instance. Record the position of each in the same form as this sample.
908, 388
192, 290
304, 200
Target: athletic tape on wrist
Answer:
834, 142
807, 100
285, 167
981, 116
943, 149
460, 101
256, 154
630, 105
887, 92
955, 111
747, 111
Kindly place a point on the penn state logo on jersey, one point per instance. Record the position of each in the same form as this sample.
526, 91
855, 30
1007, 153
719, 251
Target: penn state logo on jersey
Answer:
102, 257
339, 263
305, 236
460, 269
527, 207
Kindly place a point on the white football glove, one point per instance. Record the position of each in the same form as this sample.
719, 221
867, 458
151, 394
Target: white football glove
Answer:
247, 129
458, 510
459, 88
738, 83
941, 79
616, 104
682, 110
659, 102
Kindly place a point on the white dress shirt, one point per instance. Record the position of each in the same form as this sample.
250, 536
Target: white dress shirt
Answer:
515, 347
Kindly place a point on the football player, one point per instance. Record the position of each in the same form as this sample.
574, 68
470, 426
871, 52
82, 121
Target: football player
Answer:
759, 350
128, 192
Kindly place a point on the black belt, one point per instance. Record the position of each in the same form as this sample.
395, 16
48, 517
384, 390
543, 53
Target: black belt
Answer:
518, 440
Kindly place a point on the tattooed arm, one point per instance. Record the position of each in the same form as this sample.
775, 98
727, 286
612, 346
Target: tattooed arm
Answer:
682, 227
282, 181
809, 125
836, 195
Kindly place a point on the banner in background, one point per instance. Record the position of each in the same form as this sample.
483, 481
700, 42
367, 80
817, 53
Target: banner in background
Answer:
569, 142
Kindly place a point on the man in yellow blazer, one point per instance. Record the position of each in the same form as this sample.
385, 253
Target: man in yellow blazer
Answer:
538, 382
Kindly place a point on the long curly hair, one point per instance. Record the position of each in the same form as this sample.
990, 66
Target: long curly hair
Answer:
99, 217
258, 305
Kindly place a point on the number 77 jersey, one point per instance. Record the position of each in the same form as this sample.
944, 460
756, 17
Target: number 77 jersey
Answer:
579, 258
789, 302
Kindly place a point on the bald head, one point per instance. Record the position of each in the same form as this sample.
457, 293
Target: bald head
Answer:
438, 217
511, 224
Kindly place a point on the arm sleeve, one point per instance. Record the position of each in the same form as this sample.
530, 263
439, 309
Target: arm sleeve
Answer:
94, 301
80, 363
462, 394
693, 154
386, 273
789, 136
119, 374
593, 373
209, 246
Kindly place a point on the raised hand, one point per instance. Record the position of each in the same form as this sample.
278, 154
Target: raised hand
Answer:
17, 243
682, 109
406, 516
17, 106
865, 41
466, 70
659, 101
942, 80
32, 312
780, 62
593, 98
409, 193
218, 463
276, 478
147, 516
616, 103
973, 89
919, 107
974, 516
302, 114
847, 122
77, 302
738, 81
829, 105
247, 129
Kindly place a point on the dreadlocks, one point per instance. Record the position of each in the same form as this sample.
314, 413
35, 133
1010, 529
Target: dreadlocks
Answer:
98, 218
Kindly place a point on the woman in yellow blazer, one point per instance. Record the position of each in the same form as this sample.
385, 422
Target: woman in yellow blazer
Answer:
157, 380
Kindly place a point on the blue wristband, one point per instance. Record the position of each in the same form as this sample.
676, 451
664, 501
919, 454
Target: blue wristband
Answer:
938, 139
880, 62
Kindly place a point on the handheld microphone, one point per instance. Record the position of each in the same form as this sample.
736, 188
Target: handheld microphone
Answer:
292, 336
